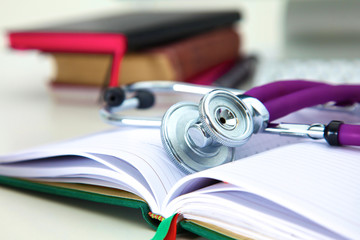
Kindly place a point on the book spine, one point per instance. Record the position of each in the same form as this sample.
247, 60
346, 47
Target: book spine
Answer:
178, 61
70, 93
114, 44
209, 76
81, 69
202, 52
93, 69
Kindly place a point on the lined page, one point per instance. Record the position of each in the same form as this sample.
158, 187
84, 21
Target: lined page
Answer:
66, 167
314, 180
140, 148
246, 214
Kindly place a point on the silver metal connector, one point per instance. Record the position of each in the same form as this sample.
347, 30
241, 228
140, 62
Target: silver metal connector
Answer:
313, 131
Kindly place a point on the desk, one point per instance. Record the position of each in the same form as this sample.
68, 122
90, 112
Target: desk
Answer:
29, 118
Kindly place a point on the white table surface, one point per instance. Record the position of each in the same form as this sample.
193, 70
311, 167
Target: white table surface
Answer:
30, 118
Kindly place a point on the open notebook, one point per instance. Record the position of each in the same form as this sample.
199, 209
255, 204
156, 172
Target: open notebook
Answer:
280, 188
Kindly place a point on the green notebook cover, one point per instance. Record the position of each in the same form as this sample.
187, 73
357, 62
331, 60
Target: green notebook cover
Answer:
119, 198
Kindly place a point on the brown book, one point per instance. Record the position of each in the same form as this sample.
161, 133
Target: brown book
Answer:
70, 93
176, 62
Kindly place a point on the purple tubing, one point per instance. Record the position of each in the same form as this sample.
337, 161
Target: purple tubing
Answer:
349, 134
292, 102
281, 88
284, 97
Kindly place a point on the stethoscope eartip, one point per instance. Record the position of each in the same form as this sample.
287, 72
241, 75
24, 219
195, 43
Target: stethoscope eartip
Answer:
114, 97
146, 99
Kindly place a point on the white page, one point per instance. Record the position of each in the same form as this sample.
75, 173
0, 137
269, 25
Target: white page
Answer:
140, 148
241, 212
312, 179
71, 166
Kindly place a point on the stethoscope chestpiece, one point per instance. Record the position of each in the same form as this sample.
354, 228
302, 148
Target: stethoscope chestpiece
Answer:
202, 136
190, 148
226, 118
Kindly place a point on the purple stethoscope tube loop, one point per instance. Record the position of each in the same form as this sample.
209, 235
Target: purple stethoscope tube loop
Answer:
281, 88
292, 102
285, 97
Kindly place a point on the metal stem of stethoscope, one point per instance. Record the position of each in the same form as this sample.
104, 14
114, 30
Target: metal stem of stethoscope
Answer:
313, 131
179, 87
108, 114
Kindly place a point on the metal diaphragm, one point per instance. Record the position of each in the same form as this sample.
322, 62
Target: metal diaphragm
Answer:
226, 118
186, 154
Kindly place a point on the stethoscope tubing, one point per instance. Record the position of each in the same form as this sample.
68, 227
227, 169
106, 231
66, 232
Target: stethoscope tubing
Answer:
285, 97
349, 135
284, 105
277, 89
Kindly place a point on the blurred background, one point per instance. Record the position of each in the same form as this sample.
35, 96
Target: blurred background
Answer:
262, 24
272, 28
24, 75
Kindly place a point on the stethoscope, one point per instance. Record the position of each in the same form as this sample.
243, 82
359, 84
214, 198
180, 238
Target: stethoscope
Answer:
204, 135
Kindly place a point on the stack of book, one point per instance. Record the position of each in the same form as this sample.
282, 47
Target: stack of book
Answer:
196, 47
